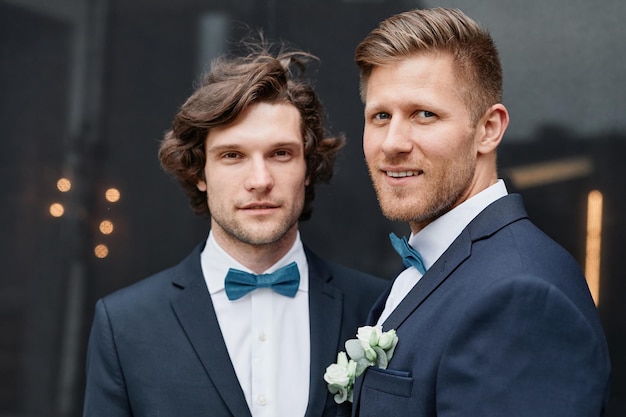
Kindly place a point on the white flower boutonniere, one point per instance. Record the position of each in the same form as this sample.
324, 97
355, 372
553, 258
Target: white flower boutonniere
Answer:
372, 346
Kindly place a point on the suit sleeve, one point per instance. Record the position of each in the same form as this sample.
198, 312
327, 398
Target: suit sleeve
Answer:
105, 392
525, 351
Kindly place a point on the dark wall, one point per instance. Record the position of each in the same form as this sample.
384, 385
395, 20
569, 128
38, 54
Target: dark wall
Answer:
33, 78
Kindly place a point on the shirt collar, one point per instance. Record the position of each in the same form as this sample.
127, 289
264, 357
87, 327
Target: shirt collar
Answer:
433, 240
215, 263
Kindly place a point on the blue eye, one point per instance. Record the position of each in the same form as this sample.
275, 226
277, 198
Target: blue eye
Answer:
382, 116
425, 113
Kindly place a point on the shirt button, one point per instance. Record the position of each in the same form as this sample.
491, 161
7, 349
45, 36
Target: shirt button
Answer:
262, 400
262, 336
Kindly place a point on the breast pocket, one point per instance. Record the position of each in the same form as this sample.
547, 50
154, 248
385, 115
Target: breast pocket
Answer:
386, 392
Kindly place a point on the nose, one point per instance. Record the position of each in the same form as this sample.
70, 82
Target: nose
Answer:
259, 178
397, 139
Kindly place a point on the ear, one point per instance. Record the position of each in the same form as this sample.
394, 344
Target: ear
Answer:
201, 185
491, 128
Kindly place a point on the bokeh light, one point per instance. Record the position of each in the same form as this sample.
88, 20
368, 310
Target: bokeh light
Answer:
106, 227
594, 243
64, 185
57, 209
112, 195
101, 251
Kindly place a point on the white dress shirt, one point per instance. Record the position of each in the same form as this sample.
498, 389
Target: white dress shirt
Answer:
434, 239
266, 334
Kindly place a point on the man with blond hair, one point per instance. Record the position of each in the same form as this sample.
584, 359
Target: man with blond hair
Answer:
493, 318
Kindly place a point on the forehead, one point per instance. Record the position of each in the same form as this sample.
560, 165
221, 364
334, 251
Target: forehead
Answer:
432, 72
260, 123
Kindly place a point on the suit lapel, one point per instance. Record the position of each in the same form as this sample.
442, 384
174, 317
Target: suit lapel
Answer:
456, 253
194, 310
494, 217
325, 315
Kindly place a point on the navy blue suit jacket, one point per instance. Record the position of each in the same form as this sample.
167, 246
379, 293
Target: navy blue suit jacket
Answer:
156, 348
502, 324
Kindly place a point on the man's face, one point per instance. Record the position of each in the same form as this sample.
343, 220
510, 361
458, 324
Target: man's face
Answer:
255, 176
419, 140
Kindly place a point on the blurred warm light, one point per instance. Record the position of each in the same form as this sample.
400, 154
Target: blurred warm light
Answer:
594, 243
101, 251
64, 185
112, 195
550, 172
57, 209
106, 227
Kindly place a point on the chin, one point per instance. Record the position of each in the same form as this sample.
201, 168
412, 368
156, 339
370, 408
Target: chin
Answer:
396, 214
267, 236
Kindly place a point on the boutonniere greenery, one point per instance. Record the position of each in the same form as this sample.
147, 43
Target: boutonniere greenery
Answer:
372, 347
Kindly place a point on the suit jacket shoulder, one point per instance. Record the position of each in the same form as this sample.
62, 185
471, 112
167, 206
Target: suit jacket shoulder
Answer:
501, 324
155, 349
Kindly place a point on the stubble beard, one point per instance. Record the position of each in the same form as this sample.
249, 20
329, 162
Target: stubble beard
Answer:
425, 205
257, 235
261, 232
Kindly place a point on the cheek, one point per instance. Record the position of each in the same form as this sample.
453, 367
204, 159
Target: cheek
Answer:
219, 192
452, 145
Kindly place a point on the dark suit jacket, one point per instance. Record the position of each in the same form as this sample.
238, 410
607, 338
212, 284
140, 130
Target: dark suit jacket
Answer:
156, 348
502, 324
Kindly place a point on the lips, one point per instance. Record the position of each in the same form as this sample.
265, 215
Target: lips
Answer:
259, 206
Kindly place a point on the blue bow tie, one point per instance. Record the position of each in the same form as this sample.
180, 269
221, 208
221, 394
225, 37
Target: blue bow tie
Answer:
285, 281
410, 257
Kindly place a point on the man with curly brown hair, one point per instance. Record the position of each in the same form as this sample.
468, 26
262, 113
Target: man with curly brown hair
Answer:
247, 323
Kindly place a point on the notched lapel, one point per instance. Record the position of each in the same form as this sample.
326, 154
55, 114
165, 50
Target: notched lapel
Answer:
458, 252
494, 217
195, 312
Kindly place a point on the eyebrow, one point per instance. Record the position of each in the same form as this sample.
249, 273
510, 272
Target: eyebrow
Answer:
237, 146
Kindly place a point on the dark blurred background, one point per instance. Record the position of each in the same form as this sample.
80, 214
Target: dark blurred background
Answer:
88, 87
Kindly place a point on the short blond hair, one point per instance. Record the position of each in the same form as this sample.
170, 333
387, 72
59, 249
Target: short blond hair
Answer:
437, 30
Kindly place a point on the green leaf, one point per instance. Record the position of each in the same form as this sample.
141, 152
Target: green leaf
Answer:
355, 350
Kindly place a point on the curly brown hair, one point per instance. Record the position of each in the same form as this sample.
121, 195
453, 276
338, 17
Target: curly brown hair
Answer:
232, 85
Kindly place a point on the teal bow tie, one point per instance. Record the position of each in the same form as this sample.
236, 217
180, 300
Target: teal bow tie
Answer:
285, 281
410, 257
